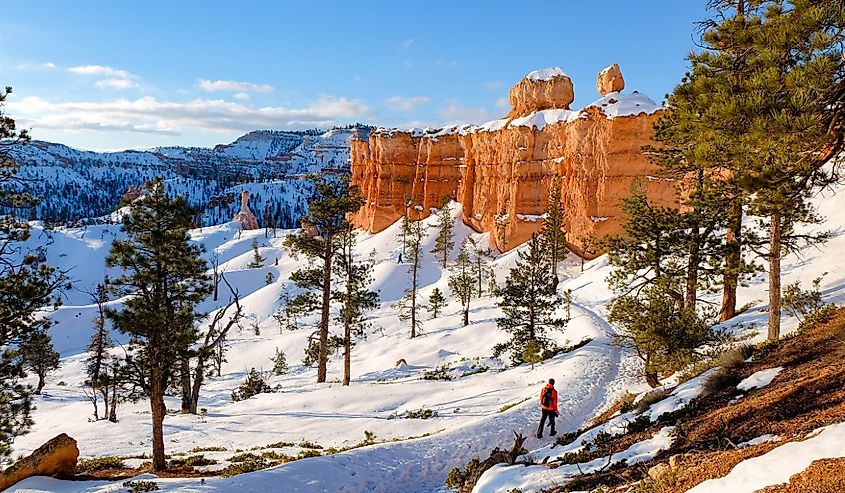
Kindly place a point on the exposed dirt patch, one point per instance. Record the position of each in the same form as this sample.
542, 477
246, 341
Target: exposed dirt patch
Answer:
823, 476
806, 395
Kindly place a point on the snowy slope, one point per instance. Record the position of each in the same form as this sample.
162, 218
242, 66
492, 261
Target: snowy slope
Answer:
469, 421
75, 184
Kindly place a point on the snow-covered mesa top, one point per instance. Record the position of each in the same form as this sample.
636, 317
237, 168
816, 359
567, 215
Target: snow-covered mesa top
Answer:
545, 74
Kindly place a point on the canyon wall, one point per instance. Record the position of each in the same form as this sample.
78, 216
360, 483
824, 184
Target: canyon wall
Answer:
501, 171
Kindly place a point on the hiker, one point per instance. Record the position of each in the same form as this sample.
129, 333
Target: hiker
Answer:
548, 405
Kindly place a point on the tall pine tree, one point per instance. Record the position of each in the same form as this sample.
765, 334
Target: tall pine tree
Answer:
552, 233
443, 242
462, 282
164, 279
529, 303
333, 199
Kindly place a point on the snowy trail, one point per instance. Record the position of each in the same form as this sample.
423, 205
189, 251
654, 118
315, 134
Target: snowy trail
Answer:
421, 465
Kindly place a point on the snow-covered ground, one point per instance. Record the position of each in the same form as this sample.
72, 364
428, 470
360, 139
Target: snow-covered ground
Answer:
471, 416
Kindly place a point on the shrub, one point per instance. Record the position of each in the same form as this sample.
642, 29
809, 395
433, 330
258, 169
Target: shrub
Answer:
508, 406
304, 454
312, 352
638, 424
567, 438
650, 398
457, 477
244, 457
280, 364
311, 445
236, 468
280, 445
735, 358
140, 486
421, 413
100, 464
626, 402
193, 461
820, 316
439, 373
802, 303
207, 449
721, 379
254, 385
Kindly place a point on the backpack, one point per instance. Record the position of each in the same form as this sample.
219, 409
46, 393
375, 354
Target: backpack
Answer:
547, 397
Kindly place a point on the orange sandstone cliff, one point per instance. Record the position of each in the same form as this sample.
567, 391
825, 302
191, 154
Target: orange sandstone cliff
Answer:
501, 171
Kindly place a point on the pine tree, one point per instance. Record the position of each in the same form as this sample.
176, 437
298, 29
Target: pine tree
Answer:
164, 279
408, 306
96, 365
27, 286
480, 256
333, 199
268, 279
280, 363
533, 353
257, 260
443, 242
552, 233
353, 294
435, 302
529, 302
39, 356
462, 282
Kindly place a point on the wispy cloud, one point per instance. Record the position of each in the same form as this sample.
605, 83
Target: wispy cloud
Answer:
149, 115
406, 45
233, 86
399, 103
115, 78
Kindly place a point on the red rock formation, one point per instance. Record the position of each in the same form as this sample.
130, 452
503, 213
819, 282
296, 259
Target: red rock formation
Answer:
500, 172
610, 80
56, 458
245, 216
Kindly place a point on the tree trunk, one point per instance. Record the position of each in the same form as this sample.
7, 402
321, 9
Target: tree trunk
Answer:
774, 275
185, 380
692, 268
198, 379
414, 295
732, 261
652, 379
347, 353
158, 410
323, 357
466, 315
40, 386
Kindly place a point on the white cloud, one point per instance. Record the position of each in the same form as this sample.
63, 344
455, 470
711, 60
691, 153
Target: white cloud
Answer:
48, 65
241, 95
116, 79
453, 113
149, 115
406, 45
234, 86
399, 103
116, 84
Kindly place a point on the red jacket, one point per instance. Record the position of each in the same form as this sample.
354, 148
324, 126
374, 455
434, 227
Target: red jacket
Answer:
553, 407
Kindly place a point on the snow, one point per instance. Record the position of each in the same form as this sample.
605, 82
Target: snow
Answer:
539, 119
776, 466
759, 379
760, 439
531, 479
680, 397
617, 104
545, 74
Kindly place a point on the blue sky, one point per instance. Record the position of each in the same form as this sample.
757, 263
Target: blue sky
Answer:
115, 75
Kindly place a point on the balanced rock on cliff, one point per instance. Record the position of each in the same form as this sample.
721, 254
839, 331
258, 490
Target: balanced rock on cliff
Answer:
547, 89
610, 80
56, 458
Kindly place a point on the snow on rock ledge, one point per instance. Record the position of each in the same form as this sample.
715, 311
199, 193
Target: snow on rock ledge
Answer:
540, 90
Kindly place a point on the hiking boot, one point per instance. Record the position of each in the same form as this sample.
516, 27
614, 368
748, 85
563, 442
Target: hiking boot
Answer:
539, 435
553, 433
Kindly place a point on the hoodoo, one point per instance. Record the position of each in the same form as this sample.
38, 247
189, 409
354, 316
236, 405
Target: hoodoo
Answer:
501, 171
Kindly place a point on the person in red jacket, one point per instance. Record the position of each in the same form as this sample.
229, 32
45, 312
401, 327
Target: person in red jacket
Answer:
548, 405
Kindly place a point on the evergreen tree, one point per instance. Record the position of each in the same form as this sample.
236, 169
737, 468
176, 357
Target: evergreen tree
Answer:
96, 365
529, 302
408, 306
443, 242
333, 199
533, 353
480, 256
436, 302
664, 335
27, 286
257, 260
268, 279
164, 280
280, 363
353, 294
552, 233
462, 282
39, 356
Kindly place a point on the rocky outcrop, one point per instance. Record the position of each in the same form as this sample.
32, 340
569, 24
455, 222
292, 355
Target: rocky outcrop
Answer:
501, 171
540, 90
56, 458
245, 215
610, 80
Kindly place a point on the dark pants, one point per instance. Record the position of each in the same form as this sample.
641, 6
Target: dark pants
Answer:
551, 416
